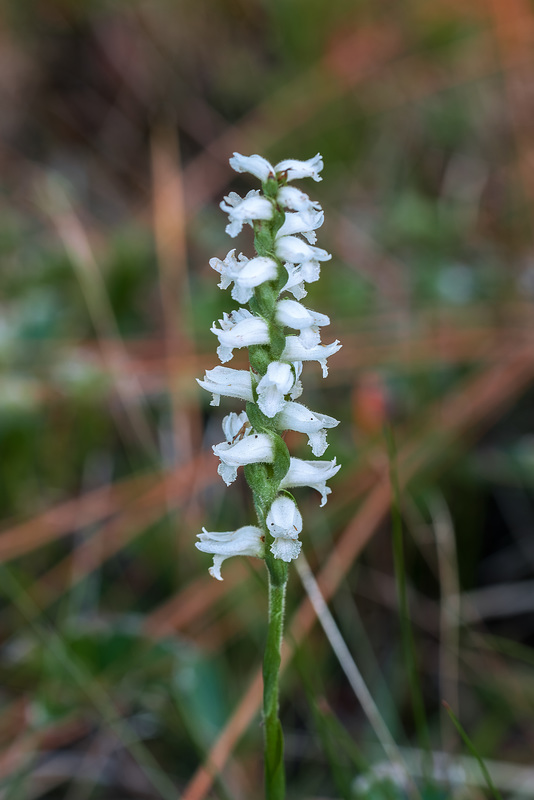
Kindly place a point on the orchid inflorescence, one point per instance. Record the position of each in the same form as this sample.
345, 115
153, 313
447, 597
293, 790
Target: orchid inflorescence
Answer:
284, 221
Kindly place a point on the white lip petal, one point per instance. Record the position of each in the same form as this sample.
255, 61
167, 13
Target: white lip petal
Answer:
247, 210
305, 222
286, 549
295, 350
310, 473
254, 449
245, 541
296, 417
290, 248
239, 329
284, 518
301, 169
292, 198
227, 382
272, 388
255, 164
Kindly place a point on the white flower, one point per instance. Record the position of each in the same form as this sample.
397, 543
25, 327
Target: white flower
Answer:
256, 448
295, 250
245, 541
228, 383
286, 549
310, 473
295, 315
236, 426
296, 391
292, 198
239, 329
308, 271
241, 210
296, 417
277, 382
301, 169
245, 273
263, 169
284, 518
295, 350
304, 222
256, 165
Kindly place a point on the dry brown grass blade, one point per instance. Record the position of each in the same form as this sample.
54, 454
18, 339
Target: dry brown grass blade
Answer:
169, 233
476, 403
53, 524
175, 488
77, 244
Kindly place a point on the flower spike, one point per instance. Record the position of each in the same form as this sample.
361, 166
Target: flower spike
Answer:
281, 335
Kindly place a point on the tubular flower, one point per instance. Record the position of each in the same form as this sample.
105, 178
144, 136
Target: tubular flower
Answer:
227, 382
239, 329
245, 541
285, 222
243, 210
296, 417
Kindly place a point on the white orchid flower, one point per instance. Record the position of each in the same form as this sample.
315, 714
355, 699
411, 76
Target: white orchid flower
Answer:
254, 448
284, 518
310, 473
296, 350
295, 250
308, 271
256, 165
246, 209
286, 549
245, 541
272, 388
295, 315
304, 222
292, 198
227, 382
263, 169
244, 273
295, 169
296, 417
239, 329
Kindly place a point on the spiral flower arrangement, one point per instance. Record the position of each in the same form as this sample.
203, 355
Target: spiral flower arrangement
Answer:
284, 220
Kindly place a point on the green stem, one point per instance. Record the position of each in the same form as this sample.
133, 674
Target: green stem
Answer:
273, 737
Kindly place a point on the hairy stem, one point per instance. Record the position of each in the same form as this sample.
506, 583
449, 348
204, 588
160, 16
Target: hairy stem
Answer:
273, 737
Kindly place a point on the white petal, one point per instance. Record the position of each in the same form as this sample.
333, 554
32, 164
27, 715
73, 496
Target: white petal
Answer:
235, 425
295, 315
275, 384
304, 222
293, 198
239, 329
284, 518
254, 449
228, 383
301, 169
310, 473
245, 541
296, 417
295, 350
258, 271
256, 165
295, 250
286, 549
247, 210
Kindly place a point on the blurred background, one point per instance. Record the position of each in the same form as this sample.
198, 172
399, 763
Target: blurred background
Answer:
125, 670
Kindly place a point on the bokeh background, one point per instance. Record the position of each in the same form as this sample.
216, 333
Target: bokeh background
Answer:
125, 670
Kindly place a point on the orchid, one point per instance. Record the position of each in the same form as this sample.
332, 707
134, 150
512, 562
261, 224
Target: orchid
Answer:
281, 334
